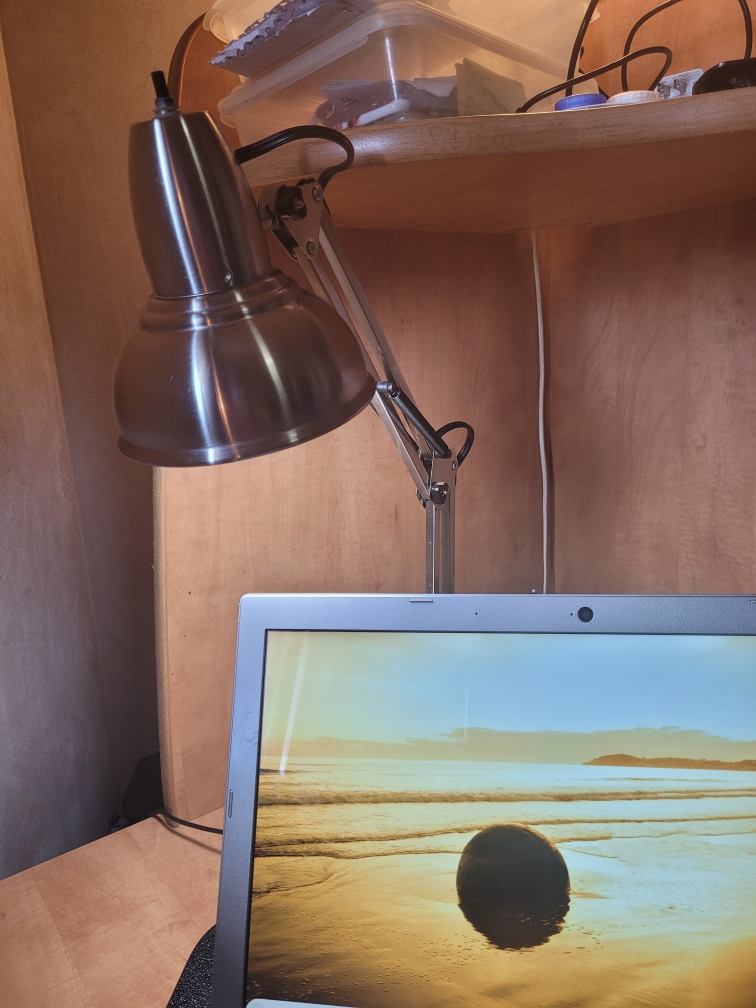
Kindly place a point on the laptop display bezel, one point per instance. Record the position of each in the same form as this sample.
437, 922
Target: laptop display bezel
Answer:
725, 615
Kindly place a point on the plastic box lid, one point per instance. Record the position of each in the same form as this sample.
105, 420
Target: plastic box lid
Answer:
544, 28
390, 14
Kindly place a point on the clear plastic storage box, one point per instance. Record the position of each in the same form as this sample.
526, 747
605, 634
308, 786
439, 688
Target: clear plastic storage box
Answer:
351, 63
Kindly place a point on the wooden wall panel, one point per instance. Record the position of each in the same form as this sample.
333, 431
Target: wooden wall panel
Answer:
653, 414
79, 76
340, 513
57, 786
649, 328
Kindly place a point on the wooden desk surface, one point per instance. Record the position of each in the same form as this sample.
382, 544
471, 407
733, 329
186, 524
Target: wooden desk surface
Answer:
109, 925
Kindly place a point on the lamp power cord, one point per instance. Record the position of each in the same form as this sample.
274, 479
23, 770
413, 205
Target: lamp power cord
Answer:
588, 16
748, 24
286, 136
567, 85
184, 822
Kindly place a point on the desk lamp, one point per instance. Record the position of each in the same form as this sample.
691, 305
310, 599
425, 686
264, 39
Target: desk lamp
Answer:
232, 359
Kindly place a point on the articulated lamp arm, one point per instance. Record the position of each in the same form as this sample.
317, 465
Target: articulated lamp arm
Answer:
298, 217
231, 359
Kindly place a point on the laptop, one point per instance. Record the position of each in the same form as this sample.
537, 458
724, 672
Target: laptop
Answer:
458, 800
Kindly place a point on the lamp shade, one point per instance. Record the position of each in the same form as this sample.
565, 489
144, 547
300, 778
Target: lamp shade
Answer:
230, 359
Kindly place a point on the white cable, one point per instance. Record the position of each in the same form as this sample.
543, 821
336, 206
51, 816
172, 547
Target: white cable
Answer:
542, 414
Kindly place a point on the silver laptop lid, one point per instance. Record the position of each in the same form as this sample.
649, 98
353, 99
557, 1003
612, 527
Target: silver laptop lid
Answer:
530, 800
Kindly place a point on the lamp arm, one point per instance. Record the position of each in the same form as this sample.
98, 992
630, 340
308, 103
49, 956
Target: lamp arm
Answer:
300, 220
408, 450
437, 444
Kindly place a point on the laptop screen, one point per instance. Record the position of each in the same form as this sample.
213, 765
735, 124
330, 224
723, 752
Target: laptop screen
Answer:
530, 820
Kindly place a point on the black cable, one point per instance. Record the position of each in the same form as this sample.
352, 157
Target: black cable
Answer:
183, 822
748, 28
464, 451
670, 3
604, 69
601, 90
576, 49
255, 150
639, 24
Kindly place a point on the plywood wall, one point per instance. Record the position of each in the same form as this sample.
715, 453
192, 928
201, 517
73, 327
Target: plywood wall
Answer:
649, 327
77, 603
653, 415
57, 785
79, 75
652, 375
340, 513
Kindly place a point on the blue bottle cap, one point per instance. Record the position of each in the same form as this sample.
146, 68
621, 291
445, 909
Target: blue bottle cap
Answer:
579, 101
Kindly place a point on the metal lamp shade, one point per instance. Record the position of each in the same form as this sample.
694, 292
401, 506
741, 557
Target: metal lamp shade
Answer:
230, 359
231, 375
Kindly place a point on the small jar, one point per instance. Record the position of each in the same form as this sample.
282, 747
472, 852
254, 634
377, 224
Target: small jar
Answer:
576, 101
633, 97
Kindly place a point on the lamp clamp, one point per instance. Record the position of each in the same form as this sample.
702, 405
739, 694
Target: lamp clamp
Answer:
293, 214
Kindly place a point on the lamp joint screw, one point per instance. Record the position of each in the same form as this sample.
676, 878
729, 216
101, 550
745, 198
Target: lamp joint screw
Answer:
438, 493
454, 465
311, 248
317, 194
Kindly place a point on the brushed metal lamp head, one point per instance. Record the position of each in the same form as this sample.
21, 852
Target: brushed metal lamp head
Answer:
231, 359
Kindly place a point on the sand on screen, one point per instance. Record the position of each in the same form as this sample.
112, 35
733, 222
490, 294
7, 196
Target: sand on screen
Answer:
384, 754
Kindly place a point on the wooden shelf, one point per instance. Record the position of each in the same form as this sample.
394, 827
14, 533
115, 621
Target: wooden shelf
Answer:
558, 169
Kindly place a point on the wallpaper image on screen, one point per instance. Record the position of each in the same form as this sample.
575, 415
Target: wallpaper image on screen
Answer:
521, 820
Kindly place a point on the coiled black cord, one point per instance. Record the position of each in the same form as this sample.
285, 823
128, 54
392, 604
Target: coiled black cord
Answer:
464, 451
670, 3
569, 84
580, 37
260, 147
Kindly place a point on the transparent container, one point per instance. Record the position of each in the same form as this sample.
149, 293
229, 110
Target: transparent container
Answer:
403, 60
227, 19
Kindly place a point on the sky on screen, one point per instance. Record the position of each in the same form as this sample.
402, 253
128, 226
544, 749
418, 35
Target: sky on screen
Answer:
388, 687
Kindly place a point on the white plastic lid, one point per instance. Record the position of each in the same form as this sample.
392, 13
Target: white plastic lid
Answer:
633, 97
546, 27
227, 19
390, 14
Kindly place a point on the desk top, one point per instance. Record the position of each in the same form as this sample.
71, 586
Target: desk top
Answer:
111, 923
